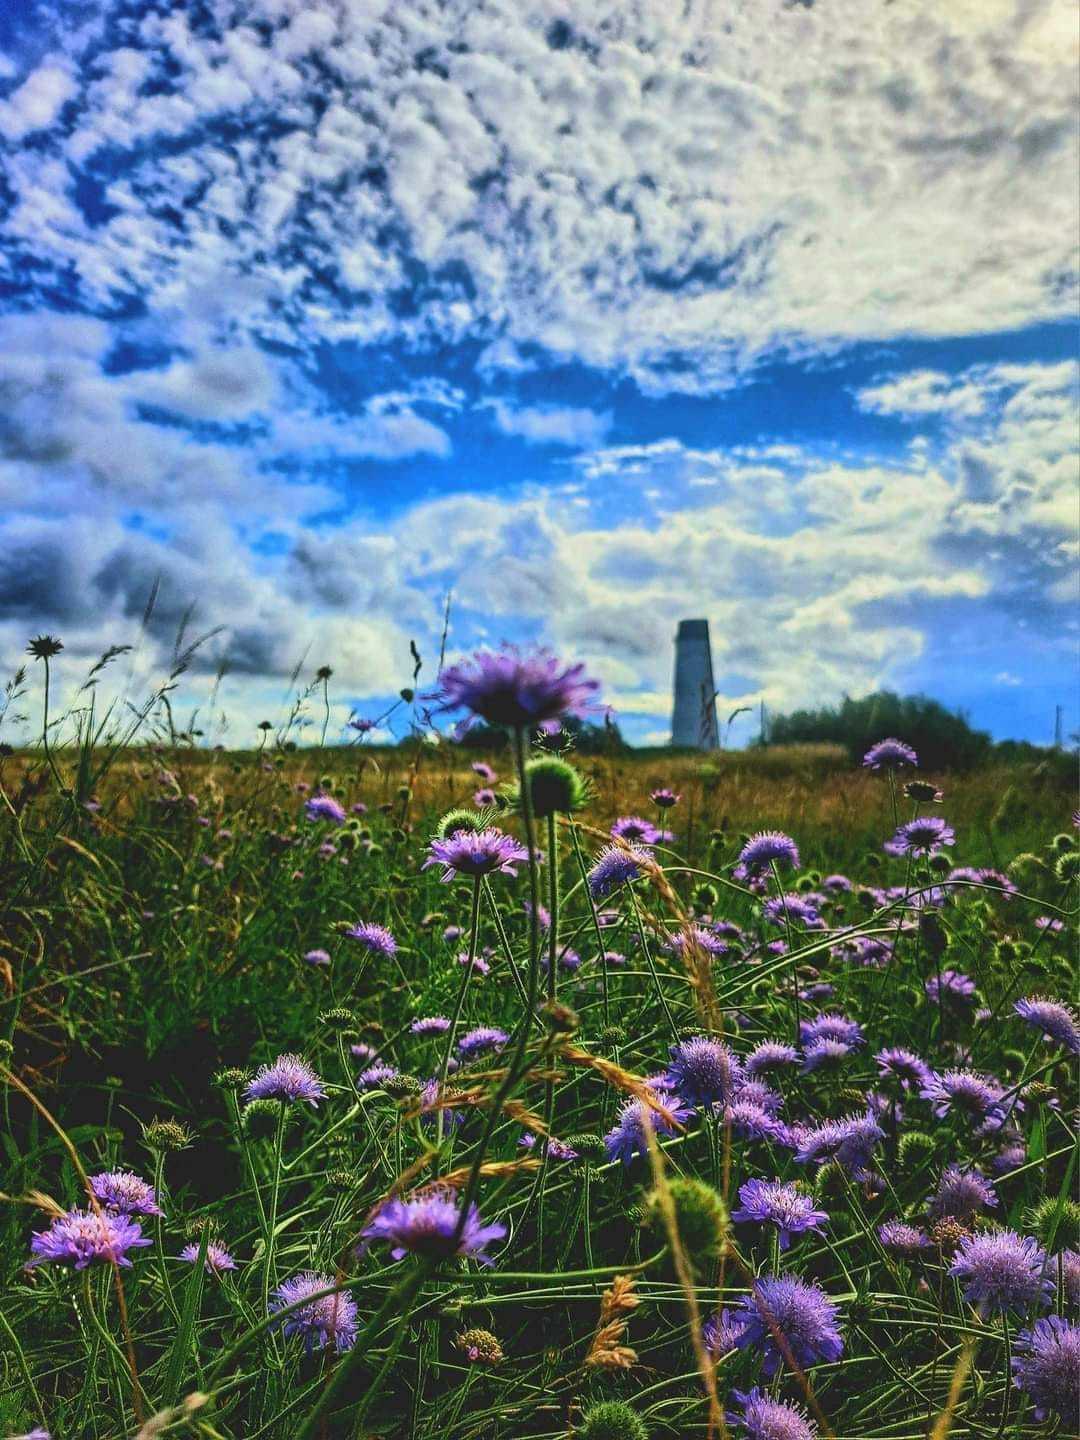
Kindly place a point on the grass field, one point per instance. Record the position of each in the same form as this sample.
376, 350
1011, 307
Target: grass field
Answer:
182, 919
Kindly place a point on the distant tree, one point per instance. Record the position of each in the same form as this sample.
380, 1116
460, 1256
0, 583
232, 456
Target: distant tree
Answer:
943, 739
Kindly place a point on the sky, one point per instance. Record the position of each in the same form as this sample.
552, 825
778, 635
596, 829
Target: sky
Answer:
592, 316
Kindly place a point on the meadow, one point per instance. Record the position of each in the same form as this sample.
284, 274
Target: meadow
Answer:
434, 1094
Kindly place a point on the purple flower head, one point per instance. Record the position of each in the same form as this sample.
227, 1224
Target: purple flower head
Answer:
430, 1025
789, 1318
889, 754
569, 959
968, 1093
903, 1239
794, 910
614, 867
1070, 1277
479, 964
79, 1237
363, 1051
425, 1225
1002, 1271
1046, 1366
925, 835
764, 1418
837, 884
325, 807
664, 799
557, 1149
482, 798
482, 1039
476, 852
772, 1202
903, 1066
124, 1191
770, 1055
1050, 923
376, 1076
751, 1120
482, 769
850, 1142
375, 938
322, 1323
720, 1333
361, 724
961, 1193
290, 1077
635, 831
1056, 1021
216, 1259
317, 957
756, 1092
680, 942
761, 850
824, 1054
626, 1139
951, 985
831, 1027
703, 1071
506, 687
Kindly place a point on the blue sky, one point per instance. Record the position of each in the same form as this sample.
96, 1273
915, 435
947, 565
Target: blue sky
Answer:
596, 317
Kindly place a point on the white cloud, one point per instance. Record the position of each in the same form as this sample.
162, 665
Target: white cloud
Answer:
637, 186
36, 103
551, 424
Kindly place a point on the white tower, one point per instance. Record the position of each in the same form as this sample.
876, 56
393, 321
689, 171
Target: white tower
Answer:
693, 721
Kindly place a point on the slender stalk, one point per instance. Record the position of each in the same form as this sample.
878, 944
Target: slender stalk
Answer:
275, 1190
451, 1034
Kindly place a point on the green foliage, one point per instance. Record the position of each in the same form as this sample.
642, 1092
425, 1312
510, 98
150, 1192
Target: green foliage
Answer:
612, 1420
942, 739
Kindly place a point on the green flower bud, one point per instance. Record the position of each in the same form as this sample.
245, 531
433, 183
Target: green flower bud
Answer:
1067, 868
165, 1135
612, 1420
400, 1087
259, 1118
1054, 1228
480, 1347
589, 1147
914, 1148
700, 1217
459, 818
338, 1019
231, 1078
555, 787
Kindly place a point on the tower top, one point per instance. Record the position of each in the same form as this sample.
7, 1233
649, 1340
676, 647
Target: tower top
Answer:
693, 630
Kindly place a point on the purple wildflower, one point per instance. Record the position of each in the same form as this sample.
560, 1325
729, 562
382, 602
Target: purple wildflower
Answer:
475, 853
663, 798
1002, 1271
482, 798
79, 1237
752, 1121
770, 1055
703, 1071
904, 1239
967, 1092
216, 1259
430, 1025
825, 1053
329, 1320
837, 884
615, 866
1046, 1366
626, 1139
682, 942
789, 1318
766, 847
484, 771
961, 1193
827, 1026
376, 939
317, 957
904, 1066
290, 1077
951, 985
325, 807
426, 1225
850, 1142
126, 1192
756, 1092
483, 1038
925, 835
635, 831
376, 1076
794, 910
479, 964
773, 1202
1050, 923
889, 754
720, 1333
509, 688
1056, 1021
764, 1418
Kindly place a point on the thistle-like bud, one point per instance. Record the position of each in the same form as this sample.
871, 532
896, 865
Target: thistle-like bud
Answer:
589, 1147
165, 1135
612, 1420
1056, 1228
555, 787
706, 897
1062, 844
459, 818
338, 1019
636, 1213
612, 1035
915, 1147
401, 1087
1067, 867
259, 1118
934, 935
341, 1179
559, 1018
1037, 1092
700, 1217
940, 864
231, 1078
480, 1347
922, 792
947, 1233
